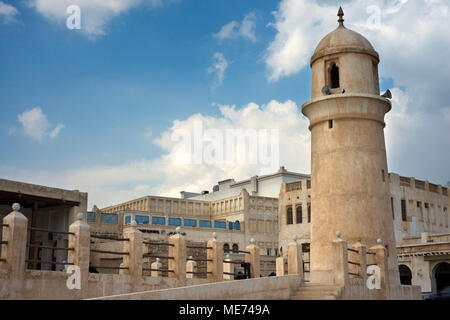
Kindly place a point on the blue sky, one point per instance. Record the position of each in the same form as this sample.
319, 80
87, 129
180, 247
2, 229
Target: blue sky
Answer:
147, 71
117, 88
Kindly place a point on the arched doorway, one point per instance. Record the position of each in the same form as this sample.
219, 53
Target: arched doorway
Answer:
405, 275
441, 276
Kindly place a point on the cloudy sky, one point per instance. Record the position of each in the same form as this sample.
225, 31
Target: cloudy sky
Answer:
96, 108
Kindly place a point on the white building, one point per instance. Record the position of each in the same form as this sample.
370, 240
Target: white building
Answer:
261, 186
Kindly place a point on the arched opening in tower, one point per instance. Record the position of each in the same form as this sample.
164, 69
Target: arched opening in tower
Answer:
334, 76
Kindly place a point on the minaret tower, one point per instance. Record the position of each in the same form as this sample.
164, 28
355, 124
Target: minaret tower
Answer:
350, 187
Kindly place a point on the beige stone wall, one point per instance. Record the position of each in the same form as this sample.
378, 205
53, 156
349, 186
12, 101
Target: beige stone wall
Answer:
400, 188
427, 206
51, 285
163, 205
421, 255
357, 290
261, 219
293, 195
270, 288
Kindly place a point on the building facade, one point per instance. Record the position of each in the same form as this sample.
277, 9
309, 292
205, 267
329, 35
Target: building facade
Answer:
419, 210
236, 219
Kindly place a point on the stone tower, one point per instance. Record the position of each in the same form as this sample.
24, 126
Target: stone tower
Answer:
349, 183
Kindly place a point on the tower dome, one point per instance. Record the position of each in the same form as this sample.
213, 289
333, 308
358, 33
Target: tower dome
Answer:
343, 40
344, 62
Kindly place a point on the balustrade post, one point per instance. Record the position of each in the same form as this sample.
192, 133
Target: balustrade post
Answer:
295, 260
14, 238
340, 276
156, 267
134, 246
191, 266
228, 268
215, 254
177, 250
382, 262
80, 241
252, 257
280, 266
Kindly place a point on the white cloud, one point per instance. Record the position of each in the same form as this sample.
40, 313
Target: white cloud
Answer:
244, 29
411, 39
7, 12
446, 114
55, 132
95, 14
417, 141
12, 131
167, 175
410, 152
218, 68
36, 125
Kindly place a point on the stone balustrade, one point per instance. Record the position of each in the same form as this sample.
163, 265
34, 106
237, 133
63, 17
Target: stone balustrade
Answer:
294, 261
82, 249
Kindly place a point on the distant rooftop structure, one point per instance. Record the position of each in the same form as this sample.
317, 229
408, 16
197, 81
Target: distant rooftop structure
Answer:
262, 186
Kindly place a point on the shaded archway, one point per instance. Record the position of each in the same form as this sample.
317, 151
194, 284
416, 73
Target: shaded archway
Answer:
405, 274
226, 248
441, 276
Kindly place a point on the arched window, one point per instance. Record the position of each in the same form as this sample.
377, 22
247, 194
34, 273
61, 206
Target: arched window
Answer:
441, 277
226, 248
405, 275
298, 214
289, 218
235, 248
334, 76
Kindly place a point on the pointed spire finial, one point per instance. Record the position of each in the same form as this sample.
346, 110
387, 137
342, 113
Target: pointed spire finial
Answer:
340, 15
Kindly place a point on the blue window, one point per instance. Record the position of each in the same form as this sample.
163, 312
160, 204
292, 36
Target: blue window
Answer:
91, 216
190, 223
127, 219
205, 224
234, 225
159, 220
110, 218
174, 222
220, 224
142, 219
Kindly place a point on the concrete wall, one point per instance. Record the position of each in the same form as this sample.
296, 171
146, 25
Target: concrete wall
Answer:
417, 193
270, 288
51, 285
357, 290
